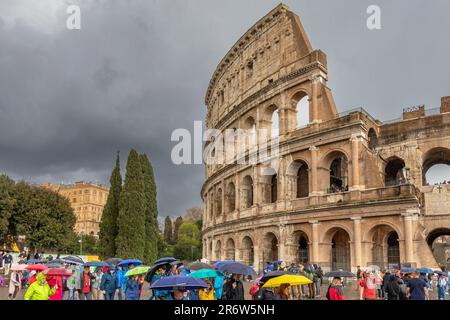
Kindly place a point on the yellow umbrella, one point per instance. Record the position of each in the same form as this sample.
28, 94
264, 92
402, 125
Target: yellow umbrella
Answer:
293, 280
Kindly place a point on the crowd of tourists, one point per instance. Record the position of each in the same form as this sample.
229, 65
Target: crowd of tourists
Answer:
71, 278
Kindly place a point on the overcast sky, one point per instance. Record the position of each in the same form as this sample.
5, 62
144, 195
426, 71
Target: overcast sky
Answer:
137, 70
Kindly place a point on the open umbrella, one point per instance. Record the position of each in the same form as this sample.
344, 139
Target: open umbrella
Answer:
425, 270
205, 273
18, 267
63, 272
274, 274
165, 259
219, 263
176, 263
34, 261
163, 265
340, 274
126, 263
407, 270
238, 268
113, 261
56, 261
168, 283
37, 267
53, 265
73, 260
441, 273
199, 265
137, 271
95, 263
291, 279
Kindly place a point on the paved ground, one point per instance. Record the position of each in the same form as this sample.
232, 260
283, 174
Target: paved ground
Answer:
349, 291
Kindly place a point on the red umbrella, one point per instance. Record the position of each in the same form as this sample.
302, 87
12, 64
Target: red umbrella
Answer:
63, 272
37, 267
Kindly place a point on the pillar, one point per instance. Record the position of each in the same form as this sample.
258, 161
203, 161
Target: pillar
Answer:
315, 241
357, 240
313, 170
355, 141
408, 230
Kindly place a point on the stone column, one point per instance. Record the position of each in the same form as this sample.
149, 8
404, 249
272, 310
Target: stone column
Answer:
408, 230
313, 170
315, 241
357, 240
257, 258
238, 195
355, 141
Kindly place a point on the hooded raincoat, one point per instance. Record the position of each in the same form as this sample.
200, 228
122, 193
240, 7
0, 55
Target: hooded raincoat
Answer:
38, 291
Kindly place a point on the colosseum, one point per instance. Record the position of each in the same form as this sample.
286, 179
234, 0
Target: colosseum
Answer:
347, 190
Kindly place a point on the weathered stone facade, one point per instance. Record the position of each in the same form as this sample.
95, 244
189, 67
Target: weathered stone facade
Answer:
346, 189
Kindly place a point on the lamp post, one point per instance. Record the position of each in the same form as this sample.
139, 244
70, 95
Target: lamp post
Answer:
81, 244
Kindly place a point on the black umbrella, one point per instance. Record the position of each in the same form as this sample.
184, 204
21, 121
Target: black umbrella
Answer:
164, 265
113, 261
238, 268
275, 274
73, 260
199, 265
165, 259
56, 261
340, 274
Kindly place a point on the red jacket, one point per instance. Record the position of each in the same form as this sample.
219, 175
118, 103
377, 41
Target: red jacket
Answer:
335, 295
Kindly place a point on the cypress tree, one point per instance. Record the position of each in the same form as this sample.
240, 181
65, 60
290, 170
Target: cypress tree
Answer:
151, 211
130, 240
108, 224
168, 230
178, 223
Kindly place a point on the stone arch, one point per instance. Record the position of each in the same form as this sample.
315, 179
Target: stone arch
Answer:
250, 126
269, 185
336, 162
230, 197
297, 176
219, 195
301, 104
248, 253
373, 138
383, 246
302, 243
270, 247
230, 253
271, 116
340, 251
247, 192
434, 156
394, 172
218, 250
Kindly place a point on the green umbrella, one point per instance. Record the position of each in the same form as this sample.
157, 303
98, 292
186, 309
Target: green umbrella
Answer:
137, 271
205, 273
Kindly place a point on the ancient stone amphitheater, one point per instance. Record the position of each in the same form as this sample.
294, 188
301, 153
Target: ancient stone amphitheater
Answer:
345, 189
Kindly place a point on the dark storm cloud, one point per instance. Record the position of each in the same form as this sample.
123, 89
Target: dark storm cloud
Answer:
137, 70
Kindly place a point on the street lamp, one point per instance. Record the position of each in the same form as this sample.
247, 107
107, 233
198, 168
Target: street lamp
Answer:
81, 244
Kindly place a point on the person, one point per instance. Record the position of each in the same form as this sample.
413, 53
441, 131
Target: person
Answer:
369, 287
109, 284
386, 277
218, 287
96, 292
86, 280
40, 289
70, 282
132, 289
442, 284
8, 260
14, 284
56, 282
335, 290
179, 293
2, 254
417, 289
269, 267
282, 292
358, 278
319, 275
120, 275
207, 293
310, 275
234, 288
379, 284
392, 287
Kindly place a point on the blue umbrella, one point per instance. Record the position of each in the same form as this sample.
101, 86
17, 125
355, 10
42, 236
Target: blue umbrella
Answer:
219, 263
95, 264
73, 260
168, 283
165, 259
54, 265
34, 261
238, 268
407, 270
126, 263
425, 270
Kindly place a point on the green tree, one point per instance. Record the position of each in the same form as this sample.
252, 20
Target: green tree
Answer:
168, 234
151, 211
189, 242
130, 240
7, 204
108, 224
178, 223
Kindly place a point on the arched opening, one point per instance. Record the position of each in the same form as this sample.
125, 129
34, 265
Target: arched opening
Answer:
210, 250
298, 179
340, 250
231, 197
275, 125
395, 172
373, 139
338, 173
439, 242
230, 251
436, 166
270, 252
250, 132
218, 250
247, 192
303, 248
211, 206
219, 202
273, 188
301, 103
248, 253
385, 250
269, 184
